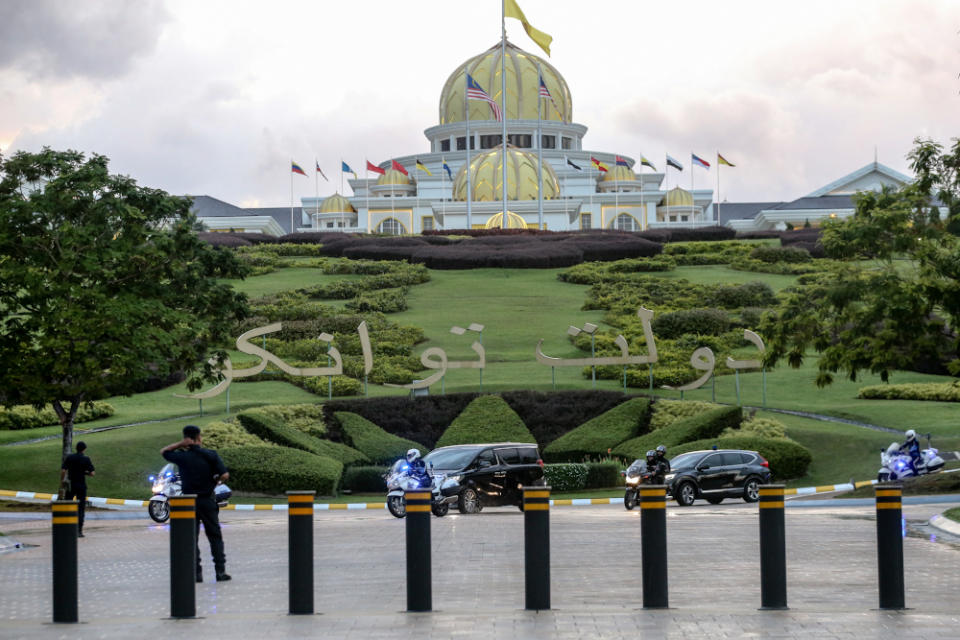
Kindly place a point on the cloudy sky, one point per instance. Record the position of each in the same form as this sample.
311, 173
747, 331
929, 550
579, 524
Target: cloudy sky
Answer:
216, 97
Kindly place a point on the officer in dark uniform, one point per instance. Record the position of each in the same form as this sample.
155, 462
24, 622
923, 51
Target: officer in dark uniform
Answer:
200, 472
76, 467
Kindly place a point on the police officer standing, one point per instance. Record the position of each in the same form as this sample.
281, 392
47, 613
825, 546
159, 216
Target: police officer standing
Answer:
75, 468
200, 472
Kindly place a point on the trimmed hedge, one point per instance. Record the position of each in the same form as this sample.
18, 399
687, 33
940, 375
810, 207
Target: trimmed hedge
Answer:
936, 391
665, 412
272, 428
705, 425
364, 479
597, 436
787, 458
375, 443
221, 435
26, 417
275, 470
486, 419
577, 476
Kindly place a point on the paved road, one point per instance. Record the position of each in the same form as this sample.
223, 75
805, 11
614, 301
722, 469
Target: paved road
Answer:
478, 578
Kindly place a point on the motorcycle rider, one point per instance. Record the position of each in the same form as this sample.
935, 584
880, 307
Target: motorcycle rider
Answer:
657, 467
662, 457
418, 468
912, 446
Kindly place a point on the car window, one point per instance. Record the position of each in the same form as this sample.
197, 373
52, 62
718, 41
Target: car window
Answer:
450, 458
683, 461
732, 458
529, 455
715, 460
747, 458
487, 458
509, 456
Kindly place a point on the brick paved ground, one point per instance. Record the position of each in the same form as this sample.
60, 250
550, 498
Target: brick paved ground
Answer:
478, 578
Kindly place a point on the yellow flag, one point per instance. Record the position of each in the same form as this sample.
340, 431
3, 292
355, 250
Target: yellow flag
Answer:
512, 10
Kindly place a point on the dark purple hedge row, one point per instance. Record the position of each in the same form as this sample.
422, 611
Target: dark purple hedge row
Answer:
768, 234
808, 239
548, 415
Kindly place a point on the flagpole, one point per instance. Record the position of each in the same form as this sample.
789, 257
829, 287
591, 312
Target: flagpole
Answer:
717, 217
539, 150
443, 190
367, 178
503, 102
291, 197
316, 189
593, 187
466, 105
643, 206
692, 167
616, 191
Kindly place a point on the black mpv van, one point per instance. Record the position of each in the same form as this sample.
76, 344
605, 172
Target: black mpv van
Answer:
487, 474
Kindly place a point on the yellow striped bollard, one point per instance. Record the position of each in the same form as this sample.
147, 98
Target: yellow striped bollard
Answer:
653, 545
183, 556
419, 580
65, 527
890, 545
300, 555
536, 547
773, 553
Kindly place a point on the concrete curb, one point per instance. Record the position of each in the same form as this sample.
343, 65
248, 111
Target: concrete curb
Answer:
945, 524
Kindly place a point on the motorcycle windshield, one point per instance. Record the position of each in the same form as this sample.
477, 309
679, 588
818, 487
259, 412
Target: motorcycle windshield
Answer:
168, 470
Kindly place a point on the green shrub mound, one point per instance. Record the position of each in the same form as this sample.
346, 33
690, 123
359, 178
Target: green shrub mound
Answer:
486, 419
303, 417
221, 435
364, 479
26, 417
275, 470
578, 476
787, 458
272, 428
597, 436
935, 391
705, 425
666, 412
373, 442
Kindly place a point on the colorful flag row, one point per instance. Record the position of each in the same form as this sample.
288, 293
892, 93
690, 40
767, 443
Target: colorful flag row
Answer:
296, 168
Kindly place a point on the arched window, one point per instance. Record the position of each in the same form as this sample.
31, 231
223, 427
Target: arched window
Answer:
625, 222
391, 226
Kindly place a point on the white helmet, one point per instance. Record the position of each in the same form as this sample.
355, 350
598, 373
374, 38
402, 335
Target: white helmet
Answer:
412, 454
911, 435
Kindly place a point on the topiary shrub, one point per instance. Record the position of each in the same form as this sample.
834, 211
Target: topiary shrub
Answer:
565, 476
787, 458
705, 425
664, 412
303, 417
375, 443
276, 470
710, 322
272, 428
221, 435
364, 479
597, 436
767, 253
486, 419
758, 428
26, 417
603, 475
936, 391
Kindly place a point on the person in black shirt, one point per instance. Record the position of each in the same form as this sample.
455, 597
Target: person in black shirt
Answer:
76, 467
201, 470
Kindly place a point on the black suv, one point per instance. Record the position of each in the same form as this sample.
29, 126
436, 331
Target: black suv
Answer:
717, 474
487, 474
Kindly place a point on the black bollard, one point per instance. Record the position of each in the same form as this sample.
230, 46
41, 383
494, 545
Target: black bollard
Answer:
890, 545
65, 561
183, 556
773, 553
536, 546
300, 558
419, 586
653, 545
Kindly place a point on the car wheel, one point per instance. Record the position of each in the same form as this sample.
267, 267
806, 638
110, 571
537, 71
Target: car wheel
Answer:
469, 501
440, 510
686, 494
629, 500
751, 490
714, 500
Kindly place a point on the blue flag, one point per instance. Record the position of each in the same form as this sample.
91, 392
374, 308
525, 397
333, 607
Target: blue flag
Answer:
345, 167
446, 168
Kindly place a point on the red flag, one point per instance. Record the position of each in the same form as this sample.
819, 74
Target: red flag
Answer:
374, 168
399, 167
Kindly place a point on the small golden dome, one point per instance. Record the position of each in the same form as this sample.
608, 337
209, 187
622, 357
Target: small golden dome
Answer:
392, 176
619, 173
523, 88
337, 204
486, 176
677, 197
513, 221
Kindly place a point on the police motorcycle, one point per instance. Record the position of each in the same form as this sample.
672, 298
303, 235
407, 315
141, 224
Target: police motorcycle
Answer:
409, 473
639, 472
897, 464
166, 484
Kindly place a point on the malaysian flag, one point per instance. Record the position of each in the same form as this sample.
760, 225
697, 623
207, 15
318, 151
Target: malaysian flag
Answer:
476, 92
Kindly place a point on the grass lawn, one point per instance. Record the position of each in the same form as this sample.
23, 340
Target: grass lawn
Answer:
953, 514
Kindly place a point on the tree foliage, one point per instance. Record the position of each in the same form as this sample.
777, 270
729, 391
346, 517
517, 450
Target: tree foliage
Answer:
895, 300
103, 283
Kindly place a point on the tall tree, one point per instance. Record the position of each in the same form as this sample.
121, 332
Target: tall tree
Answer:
103, 283
895, 300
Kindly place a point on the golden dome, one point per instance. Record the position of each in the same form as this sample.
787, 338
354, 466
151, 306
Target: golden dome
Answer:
392, 176
523, 88
677, 197
486, 176
337, 204
619, 173
513, 221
